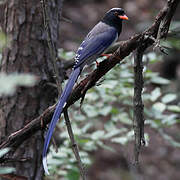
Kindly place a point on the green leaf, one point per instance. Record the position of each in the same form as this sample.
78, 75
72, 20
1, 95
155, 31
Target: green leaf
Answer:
86, 160
4, 151
90, 110
168, 98
105, 110
112, 133
114, 111
66, 55
174, 108
170, 119
6, 170
97, 135
107, 147
110, 84
60, 172
124, 118
73, 174
82, 141
90, 146
86, 127
54, 161
120, 140
155, 94
152, 57
10, 82
146, 137
79, 117
159, 106
160, 80
92, 96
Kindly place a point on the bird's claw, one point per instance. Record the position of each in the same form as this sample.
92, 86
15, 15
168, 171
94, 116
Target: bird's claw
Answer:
106, 55
97, 63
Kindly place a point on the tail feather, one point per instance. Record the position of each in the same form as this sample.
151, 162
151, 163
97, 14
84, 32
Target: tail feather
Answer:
73, 77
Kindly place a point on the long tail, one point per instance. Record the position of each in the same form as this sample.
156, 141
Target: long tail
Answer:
73, 77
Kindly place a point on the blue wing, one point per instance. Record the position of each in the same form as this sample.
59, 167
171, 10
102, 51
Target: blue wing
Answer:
95, 45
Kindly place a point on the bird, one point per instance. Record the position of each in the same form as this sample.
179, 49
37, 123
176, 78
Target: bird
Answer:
102, 36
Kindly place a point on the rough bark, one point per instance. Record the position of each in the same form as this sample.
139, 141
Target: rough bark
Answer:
28, 52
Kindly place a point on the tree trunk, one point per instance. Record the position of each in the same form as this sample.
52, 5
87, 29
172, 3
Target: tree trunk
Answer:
28, 53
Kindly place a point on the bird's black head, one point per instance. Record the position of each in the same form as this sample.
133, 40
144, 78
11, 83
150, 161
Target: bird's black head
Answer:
114, 18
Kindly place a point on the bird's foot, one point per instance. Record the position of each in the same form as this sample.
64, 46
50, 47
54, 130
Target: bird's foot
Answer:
107, 55
97, 63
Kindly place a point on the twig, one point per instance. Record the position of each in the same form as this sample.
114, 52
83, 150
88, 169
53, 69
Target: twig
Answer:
74, 144
51, 46
65, 19
138, 119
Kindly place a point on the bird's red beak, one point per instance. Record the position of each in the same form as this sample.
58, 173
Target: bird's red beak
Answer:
124, 17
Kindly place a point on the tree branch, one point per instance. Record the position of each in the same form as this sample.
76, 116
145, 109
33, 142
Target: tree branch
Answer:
124, 50
138, 118
74, 144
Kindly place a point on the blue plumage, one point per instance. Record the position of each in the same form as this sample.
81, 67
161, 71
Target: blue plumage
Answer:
73, 77
96, 42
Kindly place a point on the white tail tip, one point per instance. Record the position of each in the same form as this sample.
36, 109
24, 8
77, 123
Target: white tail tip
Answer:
45, 165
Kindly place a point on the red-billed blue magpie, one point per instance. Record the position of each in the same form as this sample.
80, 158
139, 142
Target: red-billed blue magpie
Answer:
105, 33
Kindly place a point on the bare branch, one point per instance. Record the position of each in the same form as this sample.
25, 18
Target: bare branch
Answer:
51, 45
138, 119
74, 144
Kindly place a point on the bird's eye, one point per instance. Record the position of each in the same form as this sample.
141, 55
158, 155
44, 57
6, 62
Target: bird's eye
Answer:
116, 13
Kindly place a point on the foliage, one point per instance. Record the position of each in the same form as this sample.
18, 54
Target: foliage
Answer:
10, 82
107, 112
5, 170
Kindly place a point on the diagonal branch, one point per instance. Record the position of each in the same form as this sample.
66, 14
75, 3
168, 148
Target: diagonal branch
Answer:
147, 38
